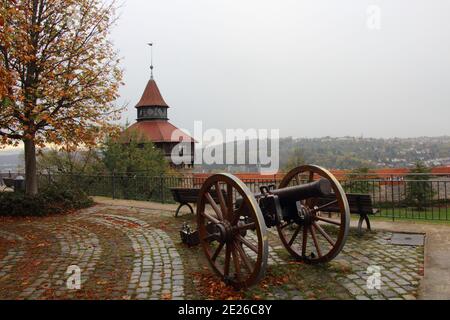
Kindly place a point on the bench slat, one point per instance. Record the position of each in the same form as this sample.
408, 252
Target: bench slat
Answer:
358, 203
190, 195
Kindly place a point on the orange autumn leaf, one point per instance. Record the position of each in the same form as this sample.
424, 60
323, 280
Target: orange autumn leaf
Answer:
166, 296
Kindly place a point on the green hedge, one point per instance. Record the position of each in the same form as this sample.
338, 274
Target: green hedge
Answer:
50, 200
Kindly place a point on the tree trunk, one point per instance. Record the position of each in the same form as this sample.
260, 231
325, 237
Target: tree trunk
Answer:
31, 187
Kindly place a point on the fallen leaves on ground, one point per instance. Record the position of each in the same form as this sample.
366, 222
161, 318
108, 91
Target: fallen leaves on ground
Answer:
270, 281
166, 296
163, 226
211, 287
123, 223
43, 244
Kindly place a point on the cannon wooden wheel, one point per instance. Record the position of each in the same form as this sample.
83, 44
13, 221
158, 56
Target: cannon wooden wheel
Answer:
315, 238
234, 239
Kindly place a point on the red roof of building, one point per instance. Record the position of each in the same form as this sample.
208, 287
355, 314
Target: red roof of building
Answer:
338, 173
151, 96
159, 131
441, 170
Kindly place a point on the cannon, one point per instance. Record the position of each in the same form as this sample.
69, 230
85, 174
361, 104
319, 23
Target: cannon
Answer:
233, 225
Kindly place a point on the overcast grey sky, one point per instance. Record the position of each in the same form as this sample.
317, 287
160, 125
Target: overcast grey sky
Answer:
310, 68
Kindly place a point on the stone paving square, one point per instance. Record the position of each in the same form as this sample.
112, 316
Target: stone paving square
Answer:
408, 239
136, 253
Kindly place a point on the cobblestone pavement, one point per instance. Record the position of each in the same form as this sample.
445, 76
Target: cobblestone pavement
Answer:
78, 247
273, 259
157, 267
400, 268
135, 253
13, 255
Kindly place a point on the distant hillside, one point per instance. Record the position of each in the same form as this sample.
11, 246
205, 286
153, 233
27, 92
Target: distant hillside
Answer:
354, 152
332, 153
351, 152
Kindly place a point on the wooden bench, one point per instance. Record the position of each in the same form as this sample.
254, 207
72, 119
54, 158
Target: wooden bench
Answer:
9, 182
359, 203
186, 196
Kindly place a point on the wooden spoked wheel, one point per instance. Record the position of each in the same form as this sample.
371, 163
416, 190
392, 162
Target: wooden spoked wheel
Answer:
234, 239
315, 235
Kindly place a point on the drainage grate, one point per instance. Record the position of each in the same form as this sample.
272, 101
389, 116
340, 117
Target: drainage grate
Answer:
408, 239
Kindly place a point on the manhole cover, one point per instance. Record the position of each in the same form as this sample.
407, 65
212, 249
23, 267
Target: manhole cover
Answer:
408, 239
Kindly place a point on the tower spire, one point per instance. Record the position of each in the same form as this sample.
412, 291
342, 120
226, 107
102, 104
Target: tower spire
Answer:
151, 59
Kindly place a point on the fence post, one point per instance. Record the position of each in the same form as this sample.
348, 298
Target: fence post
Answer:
392, 198
162, 188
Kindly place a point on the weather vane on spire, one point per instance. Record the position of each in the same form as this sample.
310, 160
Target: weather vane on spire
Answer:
151, 59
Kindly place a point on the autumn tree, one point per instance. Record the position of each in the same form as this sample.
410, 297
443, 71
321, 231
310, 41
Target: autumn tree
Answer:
5, 41
59, 75
132, 161
131, 154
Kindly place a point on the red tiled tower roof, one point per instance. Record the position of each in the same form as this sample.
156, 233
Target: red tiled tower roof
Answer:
151, 96
159, 131
153, 125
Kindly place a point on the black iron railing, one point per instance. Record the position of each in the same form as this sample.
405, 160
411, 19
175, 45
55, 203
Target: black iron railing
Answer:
396, 198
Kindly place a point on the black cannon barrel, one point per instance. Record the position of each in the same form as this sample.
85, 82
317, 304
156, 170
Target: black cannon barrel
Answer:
319, 188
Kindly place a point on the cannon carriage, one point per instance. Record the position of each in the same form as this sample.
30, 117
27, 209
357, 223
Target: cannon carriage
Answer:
233, 225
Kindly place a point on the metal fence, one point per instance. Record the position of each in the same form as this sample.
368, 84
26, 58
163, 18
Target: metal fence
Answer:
408, 197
